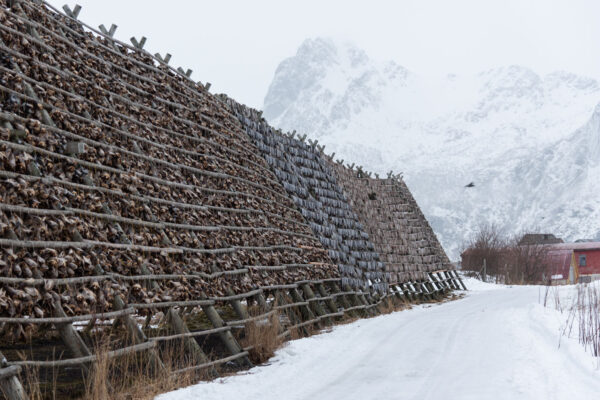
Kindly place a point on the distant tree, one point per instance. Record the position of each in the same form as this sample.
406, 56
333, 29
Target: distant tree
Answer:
487, 244
506, 261
526, 264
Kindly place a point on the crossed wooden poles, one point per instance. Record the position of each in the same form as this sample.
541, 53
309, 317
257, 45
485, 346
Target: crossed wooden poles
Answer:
302, 305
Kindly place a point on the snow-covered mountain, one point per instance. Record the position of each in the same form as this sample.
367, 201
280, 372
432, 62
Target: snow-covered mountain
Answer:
530, 143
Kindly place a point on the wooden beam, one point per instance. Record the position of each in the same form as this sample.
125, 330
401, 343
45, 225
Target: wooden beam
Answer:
72, 13
226, 336
191, 346
69, 335
329, 302
10, 384
305, 311
315, 304
240, 311
137, 336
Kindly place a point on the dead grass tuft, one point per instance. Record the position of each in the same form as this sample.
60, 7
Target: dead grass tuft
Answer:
134, 376
262, 338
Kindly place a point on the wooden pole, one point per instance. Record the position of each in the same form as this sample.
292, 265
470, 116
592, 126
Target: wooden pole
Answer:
261, 301
451, 280
406, 291
343, 300
226, 336
484, 269
329, 302
305, 311
137, 336
457, 276
240, 311
367, 300
354, 300
398, 294
11, 385
315, 304
192, 348
70, 336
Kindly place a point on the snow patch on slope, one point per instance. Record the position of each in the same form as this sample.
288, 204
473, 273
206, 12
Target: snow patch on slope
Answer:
529, 142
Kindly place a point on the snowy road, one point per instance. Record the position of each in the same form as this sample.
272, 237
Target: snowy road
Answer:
496, 343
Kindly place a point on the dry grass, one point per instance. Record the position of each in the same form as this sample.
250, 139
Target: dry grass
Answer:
32, 387
261, 336
390, 305
583, 314
134, 376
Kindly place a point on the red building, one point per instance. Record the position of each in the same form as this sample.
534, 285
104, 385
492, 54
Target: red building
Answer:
584, 264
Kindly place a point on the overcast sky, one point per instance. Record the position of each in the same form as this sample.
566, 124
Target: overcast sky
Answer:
237, 45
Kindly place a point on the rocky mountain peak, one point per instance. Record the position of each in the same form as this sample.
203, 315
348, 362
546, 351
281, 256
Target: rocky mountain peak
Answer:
524, 138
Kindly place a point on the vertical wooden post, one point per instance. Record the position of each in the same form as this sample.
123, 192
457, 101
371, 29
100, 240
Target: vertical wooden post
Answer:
261, 301
442, 277
417, 290
428, 289
443, 281
438, 288
11, 385
291, 314
484, 269
367, 300
452, 279
226, 336
399, 294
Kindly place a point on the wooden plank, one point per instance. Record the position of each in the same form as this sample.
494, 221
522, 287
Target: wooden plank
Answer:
354, 300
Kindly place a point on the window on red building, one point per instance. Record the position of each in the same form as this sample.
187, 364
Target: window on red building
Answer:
582, 260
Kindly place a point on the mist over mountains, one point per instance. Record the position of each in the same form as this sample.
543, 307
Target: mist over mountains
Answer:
529, 143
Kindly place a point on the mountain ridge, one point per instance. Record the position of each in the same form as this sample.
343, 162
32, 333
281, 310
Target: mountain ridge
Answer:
508, 129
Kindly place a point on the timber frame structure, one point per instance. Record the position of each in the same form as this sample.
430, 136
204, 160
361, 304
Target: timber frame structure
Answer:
133, 201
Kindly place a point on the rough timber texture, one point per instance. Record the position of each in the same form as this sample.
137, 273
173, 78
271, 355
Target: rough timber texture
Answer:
310, 182
396, 226
112, 163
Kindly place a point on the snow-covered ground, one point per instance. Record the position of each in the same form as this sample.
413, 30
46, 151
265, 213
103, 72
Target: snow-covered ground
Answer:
498, 342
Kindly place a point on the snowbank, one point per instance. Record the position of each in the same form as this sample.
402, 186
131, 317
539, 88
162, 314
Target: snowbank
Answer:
498, 342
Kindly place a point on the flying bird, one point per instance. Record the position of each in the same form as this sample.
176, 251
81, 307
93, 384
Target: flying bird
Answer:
470, 185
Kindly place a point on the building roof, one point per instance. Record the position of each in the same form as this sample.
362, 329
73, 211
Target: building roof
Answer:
575, 246
539, 238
